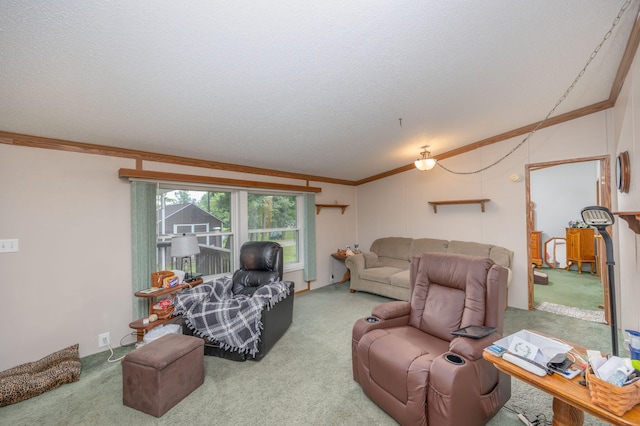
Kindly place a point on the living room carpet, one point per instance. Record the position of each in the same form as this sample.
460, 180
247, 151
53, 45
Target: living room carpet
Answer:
305, 379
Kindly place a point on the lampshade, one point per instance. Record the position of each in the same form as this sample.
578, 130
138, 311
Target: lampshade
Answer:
425, 162
184, 245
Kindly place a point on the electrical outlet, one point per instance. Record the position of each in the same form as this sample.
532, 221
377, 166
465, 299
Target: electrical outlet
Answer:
331, 278
104, 340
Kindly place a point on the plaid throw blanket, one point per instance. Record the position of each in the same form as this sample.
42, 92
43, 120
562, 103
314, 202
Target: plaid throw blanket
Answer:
233, 321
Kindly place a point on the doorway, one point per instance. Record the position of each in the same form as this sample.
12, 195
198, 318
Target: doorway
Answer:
561, 190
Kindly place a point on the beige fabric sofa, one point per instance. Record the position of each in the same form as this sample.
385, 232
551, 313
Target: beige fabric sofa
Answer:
384, 269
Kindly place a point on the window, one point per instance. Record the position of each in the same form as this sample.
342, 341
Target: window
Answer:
222, 220
275, 218
207, 214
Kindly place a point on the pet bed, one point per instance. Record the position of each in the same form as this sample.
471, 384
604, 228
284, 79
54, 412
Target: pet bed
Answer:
34, 378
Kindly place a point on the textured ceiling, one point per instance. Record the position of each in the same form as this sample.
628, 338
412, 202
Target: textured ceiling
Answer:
314, 88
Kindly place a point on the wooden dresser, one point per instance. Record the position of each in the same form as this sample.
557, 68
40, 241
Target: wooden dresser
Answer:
581, 248
536, 248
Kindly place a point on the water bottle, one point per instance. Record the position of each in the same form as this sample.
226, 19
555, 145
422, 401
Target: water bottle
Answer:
622, 373
618, 377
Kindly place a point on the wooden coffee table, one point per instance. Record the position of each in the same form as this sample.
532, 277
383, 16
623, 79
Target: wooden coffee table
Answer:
570, 399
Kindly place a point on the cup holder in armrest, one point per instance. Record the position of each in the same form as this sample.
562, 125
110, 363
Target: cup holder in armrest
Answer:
371, 320
454, 359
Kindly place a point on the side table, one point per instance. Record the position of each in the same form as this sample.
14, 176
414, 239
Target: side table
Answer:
341, 256
138, 325
570, 399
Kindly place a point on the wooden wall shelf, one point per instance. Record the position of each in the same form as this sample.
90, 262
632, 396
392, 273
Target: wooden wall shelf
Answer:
481, 201
339, 206
632, 218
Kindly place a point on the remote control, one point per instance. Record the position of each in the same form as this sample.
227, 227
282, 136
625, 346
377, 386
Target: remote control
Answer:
524, 363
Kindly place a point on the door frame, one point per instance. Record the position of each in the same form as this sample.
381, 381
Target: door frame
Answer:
603, 195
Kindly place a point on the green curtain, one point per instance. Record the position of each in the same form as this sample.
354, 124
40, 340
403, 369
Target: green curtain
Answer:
309, 237
143, 241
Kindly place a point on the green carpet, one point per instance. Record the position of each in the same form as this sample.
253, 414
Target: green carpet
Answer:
305, 379
569, 288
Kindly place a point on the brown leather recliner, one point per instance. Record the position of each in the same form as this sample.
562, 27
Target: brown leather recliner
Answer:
408, 362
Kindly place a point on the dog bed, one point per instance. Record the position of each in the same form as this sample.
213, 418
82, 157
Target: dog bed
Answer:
34, 378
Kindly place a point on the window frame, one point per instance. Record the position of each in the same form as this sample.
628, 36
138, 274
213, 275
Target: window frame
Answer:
239, 229
299, 228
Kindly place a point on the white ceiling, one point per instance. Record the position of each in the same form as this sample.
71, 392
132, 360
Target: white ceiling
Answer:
308, 87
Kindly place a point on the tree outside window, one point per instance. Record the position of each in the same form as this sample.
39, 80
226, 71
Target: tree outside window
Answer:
275, 218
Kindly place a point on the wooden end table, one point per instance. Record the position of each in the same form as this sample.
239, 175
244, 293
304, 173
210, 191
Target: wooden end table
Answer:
342, 257
138, 325
570, 399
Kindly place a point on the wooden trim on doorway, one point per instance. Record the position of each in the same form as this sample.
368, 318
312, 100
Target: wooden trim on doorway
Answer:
605, 200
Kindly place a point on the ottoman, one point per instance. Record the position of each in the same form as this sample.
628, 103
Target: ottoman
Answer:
158, 375
540, 278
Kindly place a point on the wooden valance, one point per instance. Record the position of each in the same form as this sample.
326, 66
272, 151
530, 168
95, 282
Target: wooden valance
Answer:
210, 180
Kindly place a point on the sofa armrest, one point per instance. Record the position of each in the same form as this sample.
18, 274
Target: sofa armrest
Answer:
386, 315
471, 349
390, 314
453, 383
355, 263
391, 310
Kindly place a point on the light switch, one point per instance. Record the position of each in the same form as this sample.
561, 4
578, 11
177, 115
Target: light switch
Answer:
8, 246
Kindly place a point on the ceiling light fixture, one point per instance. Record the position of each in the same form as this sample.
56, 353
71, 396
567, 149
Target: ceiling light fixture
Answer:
425, 162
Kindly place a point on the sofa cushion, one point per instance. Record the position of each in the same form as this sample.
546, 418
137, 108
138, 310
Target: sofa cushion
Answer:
501, 256
371, 260
424, 245
394, 263
469, 248
381, 275
395, 247
401, 279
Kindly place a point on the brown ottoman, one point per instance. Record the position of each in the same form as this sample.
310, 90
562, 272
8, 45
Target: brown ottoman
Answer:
160, 374
540, 278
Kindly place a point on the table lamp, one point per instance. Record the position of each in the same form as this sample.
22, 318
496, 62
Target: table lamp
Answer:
185, 246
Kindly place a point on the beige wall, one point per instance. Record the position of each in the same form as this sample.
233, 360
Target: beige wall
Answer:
625, 133
398, 206
71, 279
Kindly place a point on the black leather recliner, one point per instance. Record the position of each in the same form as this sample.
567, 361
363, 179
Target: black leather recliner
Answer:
261, 262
